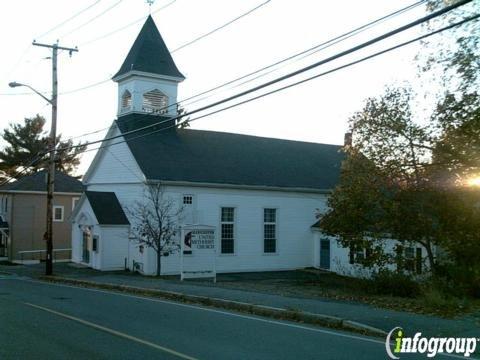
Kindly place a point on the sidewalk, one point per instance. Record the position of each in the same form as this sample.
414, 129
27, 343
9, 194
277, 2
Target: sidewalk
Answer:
379, 318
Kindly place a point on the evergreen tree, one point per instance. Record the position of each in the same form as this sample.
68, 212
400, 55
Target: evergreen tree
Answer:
26, 147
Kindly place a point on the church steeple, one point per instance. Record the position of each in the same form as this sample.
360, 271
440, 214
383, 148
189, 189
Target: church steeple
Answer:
148, 78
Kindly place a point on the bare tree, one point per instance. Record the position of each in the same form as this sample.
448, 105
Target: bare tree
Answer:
156, 222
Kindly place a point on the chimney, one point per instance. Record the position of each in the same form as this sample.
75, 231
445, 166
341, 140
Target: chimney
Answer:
347, 139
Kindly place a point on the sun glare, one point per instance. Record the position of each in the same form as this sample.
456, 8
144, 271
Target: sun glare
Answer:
474, 181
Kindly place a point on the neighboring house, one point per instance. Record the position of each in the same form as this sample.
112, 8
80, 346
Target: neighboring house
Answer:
23, 216
331, 255
261, 194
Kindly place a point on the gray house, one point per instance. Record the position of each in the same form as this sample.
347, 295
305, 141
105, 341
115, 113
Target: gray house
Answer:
23, 216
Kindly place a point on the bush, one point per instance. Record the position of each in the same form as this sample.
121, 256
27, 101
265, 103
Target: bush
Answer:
393, 284
459, 280
436, 301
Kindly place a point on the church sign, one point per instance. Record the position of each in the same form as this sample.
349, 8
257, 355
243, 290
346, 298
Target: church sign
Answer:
197, 253
199, 239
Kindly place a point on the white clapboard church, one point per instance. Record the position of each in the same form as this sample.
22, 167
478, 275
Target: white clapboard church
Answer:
259, 194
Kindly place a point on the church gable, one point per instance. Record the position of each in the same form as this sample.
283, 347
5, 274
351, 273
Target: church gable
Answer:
114, 164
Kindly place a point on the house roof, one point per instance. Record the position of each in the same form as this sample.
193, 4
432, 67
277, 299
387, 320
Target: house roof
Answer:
316, 225
107, 208
149, 54
224, 158
38, 182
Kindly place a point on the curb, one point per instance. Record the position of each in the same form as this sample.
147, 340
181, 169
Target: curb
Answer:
260, 310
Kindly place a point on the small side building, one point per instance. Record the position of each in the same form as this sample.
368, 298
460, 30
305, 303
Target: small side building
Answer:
100, 216
23, 217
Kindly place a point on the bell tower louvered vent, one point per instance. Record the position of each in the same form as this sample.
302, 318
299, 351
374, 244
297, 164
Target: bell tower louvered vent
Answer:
155, 102
126, 101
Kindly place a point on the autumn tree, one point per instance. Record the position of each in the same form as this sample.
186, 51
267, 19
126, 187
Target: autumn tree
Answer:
382, 191
422, 163
452, 72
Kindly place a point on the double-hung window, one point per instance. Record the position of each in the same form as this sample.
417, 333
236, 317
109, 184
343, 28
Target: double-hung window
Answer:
58, 213
413, 259
269, 230
228, 230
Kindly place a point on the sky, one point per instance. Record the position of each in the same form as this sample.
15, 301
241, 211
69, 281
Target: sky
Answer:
317, 111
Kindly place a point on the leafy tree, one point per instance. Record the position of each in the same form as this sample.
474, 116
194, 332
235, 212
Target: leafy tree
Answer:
357, 209
452, 72
405, 180
455, 65
26, 149
183, 121
155, 222
385, 132
398, 180
459, 237
456, 154
382, 188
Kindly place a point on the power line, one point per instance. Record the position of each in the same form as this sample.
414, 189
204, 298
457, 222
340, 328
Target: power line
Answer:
82, 44
183, 46
472, 18
67, 20
308, 52
220, 27
125, 26
27, 49
368, 57
92, 19
124, 165
300, 71
38, 157
317, 48
188, 43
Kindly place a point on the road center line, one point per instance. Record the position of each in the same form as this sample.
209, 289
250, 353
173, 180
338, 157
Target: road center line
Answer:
113, 332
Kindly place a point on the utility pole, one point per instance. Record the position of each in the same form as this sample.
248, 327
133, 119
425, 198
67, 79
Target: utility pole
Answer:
51, 147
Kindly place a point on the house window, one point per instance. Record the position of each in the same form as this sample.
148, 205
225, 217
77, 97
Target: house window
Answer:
413, 259
269, 230
187, 199
227, 227
358, 254
74, 202
95, 243
58, 213
155, 102
126, 100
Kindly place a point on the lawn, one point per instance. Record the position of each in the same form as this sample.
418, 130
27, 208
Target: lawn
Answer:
312, 283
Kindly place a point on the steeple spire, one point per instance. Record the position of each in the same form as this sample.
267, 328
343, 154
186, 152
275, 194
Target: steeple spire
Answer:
149, 54
148, 78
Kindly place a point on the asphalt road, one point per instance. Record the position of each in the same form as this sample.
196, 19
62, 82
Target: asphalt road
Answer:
46, 321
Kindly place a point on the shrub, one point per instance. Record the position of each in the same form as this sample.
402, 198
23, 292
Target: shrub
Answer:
393, 284
459, 280
436, 301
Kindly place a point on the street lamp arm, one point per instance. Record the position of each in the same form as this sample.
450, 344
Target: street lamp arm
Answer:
15, 84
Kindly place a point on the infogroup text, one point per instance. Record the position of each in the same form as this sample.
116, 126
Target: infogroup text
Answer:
397, 343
